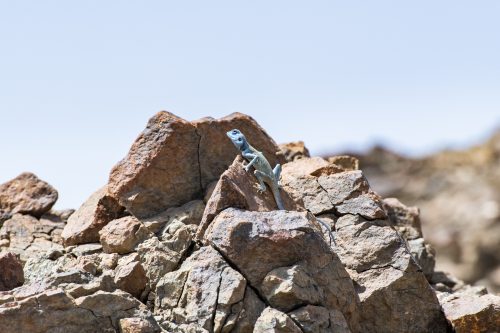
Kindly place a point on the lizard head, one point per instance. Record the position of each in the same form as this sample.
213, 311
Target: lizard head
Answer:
237, 138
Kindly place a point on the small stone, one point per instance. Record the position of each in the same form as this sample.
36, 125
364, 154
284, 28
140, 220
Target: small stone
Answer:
123, 235
11, 271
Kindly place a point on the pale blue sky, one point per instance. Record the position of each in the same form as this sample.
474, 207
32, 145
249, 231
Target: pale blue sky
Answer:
79, 79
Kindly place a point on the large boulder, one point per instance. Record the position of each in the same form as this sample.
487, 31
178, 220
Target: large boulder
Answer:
238, 188
173, 160
206, 295
285, 257
27, 194
394, 293
123, 235
11, 271
84, 225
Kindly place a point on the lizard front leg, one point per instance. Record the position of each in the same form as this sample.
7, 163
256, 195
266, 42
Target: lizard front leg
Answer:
252, 162
260, 177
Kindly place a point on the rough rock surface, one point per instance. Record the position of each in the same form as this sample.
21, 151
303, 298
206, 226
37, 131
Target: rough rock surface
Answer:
27, 194
238, 188
11, 271
458, 194
231, 262
294, 150
123, 235
84, 225
173, 160
268, 249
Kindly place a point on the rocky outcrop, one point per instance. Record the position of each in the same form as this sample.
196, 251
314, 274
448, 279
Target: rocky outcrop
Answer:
169, 247
11, 271
84, 225
27, 194
173, 160
458, 194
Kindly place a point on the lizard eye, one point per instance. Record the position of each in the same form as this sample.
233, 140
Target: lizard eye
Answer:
239, 139
234, 132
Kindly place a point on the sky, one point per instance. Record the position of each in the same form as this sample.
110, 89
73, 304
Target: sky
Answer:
80, 79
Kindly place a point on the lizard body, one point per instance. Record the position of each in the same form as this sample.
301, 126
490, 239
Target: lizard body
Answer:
263, 171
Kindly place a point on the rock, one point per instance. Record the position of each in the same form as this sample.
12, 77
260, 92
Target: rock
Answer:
294, 150
204, 294
27, 194
189, 213
55, 311
138, 325
29, 237
324, 187
160, 256
11, 271
86, 249
238, 188
123, 235
161, 169
345, 162
268, 249
468, 313
84, 225
217, 152
317, 319
173, 161
395, 295
130, 275
275, 321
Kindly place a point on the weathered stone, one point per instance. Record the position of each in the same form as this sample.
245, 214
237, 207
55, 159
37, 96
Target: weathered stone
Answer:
256, 243
161, 169
275, 321
317, 319
84, 225
86, 249
294, 150
138, 325
394, 294
325, 187
11, 271
285, 287
406, 220
29, 237
217, 152
470, 313
238, 188
55, 311
190, 213
345, 162
130, 275
123, 235
27, 194
424, 256
173, 160
202, 294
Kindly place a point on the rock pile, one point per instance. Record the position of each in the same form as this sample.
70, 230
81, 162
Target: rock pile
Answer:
180, 240
458, 193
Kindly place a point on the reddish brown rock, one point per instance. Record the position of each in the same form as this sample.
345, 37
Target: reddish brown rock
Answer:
161, 170
238, 188
217, 152
130, 275
84, 225
294, 150
284, 256
173, 160
468, 313
27, 194
11, 271
123, 235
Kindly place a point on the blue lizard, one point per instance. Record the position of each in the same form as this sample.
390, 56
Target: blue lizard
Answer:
263, 171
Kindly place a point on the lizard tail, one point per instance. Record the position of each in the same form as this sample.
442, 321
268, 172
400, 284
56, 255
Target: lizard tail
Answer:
277, 173
277, 197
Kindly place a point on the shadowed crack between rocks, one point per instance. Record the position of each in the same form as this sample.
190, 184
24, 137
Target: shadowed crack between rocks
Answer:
214, 314
198, 157
233, 266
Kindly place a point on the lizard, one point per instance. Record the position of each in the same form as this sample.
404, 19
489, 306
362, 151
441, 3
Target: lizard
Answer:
263, 171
